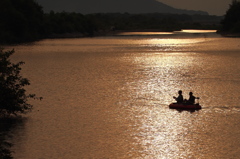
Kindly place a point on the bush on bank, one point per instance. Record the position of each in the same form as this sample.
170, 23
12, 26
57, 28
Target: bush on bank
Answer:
231, 21
13, 97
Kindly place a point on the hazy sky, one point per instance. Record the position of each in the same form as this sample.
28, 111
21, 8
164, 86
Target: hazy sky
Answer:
213, 7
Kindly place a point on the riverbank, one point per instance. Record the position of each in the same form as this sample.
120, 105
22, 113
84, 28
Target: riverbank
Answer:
229, 33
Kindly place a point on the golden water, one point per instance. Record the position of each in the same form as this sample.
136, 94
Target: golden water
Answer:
108, 97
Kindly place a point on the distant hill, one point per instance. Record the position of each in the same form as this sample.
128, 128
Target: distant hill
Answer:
112, 6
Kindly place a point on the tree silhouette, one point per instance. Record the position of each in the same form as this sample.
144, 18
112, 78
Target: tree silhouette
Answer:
231, 21
20, 21
13, 97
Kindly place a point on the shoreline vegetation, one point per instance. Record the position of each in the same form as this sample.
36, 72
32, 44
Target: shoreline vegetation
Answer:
24, 21
230, 25
14, 100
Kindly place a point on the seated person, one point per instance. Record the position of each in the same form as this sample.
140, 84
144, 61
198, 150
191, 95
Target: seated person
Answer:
191, 99
179, 99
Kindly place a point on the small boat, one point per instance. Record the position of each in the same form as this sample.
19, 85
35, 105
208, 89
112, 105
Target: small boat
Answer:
185, 106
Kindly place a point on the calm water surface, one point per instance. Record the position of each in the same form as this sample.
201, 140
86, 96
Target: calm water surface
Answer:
108, 97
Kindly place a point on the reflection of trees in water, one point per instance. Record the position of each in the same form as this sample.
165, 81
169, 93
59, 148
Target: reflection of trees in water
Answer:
5, 153
7, 129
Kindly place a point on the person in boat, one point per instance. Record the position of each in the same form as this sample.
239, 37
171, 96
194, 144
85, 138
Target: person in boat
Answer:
191, 99
179, 99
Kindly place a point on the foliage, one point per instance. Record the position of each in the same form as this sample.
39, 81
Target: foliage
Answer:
24, 21
20, 21
231, 21
5, 153
13, 98
62, 23
150, 21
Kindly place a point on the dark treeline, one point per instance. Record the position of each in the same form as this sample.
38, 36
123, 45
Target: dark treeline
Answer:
153, 21
20, 20
231, 21
24, 20
68, 24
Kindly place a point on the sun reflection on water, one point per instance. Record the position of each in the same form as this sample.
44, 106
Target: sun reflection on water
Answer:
163, 133
175, 41
144, 33
198, 31
108, 98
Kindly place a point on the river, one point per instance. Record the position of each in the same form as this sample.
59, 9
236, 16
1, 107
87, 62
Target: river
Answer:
107, 97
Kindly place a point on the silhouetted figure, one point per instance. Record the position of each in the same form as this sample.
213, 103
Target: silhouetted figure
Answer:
191, 99
179, 99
